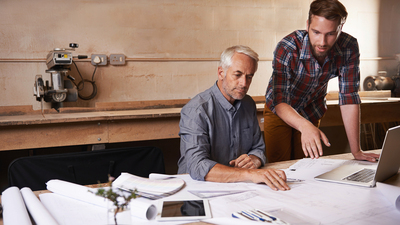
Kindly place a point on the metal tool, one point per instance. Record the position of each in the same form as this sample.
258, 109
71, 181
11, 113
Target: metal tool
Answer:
59, 89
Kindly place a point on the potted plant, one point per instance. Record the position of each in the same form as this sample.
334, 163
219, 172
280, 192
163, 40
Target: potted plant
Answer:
116, 196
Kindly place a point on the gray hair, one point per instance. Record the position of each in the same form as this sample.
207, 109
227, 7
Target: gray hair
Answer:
226, 56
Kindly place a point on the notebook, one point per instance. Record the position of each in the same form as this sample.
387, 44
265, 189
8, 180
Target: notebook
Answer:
358, 173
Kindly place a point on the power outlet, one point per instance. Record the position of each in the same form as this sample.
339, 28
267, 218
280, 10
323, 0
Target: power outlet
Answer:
99, 59
117, 59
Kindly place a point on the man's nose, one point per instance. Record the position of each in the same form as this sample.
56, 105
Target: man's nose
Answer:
324, 40
243, 81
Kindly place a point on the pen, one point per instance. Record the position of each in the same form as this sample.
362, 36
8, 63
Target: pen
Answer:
293, 180
254, 214
265, 214
240, 216
248, 216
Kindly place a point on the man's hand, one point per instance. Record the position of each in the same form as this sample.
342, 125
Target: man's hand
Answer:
360, 155
246, 161
311, 138
275, 179
310, 135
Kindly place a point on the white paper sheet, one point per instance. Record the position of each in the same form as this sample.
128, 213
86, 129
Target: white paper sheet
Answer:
69, 211
328, 203
76, 191
392, 193
14, 210
36, 208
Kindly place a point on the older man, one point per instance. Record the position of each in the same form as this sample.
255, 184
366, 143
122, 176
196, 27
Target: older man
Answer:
220, 136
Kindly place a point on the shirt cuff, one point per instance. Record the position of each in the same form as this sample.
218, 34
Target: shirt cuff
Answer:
349, 98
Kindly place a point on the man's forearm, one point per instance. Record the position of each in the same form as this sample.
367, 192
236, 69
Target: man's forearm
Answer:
226, 174
290, 116
351, 121
275, 179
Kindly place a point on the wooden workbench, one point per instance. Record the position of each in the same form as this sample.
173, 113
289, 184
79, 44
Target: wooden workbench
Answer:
137, 121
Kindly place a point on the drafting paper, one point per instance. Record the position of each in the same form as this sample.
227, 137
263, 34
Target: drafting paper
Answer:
14, 210
36, 208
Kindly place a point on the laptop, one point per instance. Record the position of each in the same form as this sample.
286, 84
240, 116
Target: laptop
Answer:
367, 174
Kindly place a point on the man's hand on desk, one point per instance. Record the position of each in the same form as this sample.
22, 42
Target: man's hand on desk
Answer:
275, 179
311, 138
246, 161
360, 155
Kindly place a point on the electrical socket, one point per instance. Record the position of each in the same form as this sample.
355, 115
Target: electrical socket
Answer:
99, 59
117, 59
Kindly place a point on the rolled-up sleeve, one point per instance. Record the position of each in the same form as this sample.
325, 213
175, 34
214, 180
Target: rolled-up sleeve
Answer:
349, 76
195, 145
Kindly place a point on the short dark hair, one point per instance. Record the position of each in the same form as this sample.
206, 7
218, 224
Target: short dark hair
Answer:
329, 9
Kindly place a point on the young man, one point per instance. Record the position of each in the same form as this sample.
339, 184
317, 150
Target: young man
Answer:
221, 139
304, 62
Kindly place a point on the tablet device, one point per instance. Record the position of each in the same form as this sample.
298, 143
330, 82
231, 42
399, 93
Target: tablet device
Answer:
170, 210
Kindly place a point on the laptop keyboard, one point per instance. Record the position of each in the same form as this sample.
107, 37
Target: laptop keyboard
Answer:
364, 175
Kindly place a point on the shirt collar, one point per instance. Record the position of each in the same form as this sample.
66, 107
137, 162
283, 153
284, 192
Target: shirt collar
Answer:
223, 101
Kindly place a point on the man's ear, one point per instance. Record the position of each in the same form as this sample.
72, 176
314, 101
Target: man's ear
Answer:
307, 25
221, 73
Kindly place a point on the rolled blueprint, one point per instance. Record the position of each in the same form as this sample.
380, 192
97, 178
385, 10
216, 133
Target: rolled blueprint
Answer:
391, 192
76, 191
36, 208
142, 209
14, 210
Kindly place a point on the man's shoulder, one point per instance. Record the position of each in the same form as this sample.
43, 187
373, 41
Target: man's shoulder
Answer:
199, 101
345, 40
248, 101
293, 41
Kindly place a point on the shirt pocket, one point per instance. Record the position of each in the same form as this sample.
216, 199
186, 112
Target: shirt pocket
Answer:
246, 139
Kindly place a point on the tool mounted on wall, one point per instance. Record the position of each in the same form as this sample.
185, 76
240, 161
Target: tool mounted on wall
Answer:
60, 89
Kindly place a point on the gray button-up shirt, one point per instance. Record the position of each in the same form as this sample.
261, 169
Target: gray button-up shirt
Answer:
212, 131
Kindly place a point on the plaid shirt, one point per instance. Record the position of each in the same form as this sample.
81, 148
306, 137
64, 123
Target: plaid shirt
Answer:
299, 80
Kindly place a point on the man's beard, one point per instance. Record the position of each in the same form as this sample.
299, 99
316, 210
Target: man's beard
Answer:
318, 54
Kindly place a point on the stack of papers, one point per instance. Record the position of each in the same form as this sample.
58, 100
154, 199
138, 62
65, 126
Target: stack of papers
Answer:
149, 188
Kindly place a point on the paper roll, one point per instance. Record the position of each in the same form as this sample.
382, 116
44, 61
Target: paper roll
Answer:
391, 192
142, 209
14, 210
76, 191
36, 208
